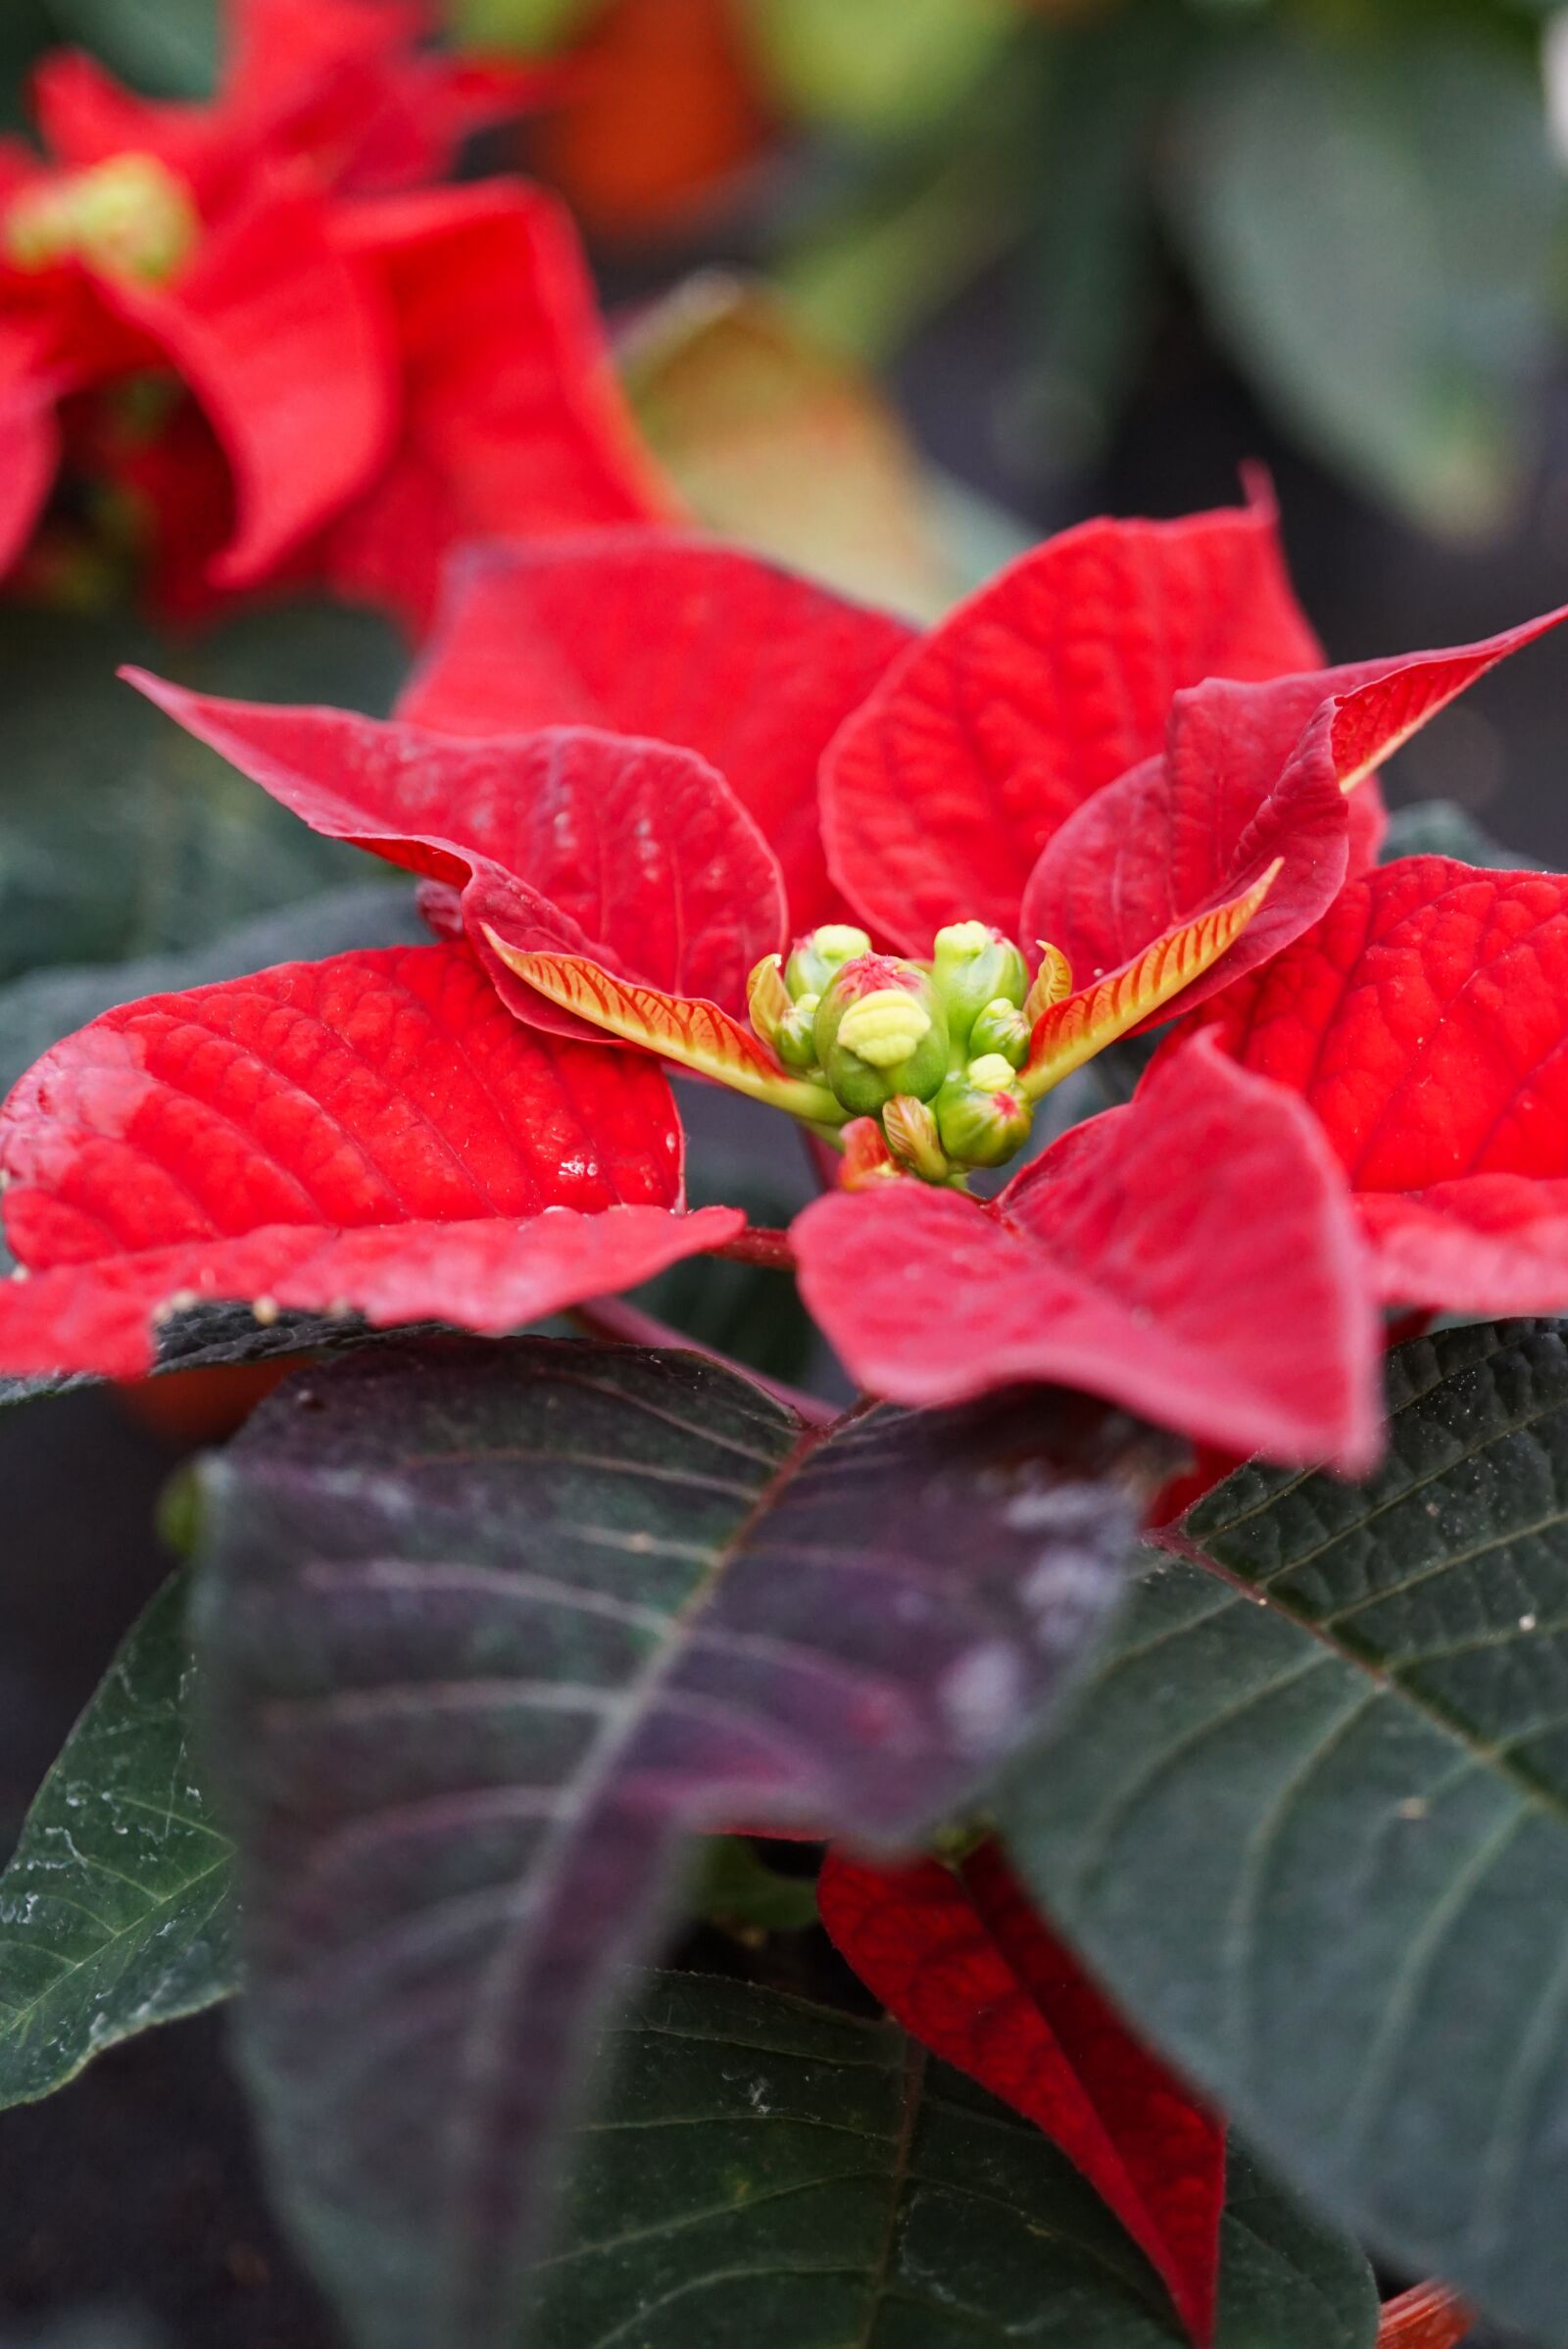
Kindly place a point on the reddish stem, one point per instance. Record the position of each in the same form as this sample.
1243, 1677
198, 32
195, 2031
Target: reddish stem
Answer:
629, 1325
772, 1249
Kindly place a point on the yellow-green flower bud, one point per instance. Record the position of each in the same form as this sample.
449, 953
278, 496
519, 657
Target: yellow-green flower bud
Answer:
1001, 1028
795, 1038
980, 1120
972, 966
912, 1138
817, 959
880, 1030
130, 217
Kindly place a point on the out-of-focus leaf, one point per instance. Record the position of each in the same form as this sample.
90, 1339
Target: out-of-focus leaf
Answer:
37, 1010
168, 46
883, 67
777, 441
487, 1630
1443, 828
25, 33
734, 1886
747, 1311
1371, 222
1092, 250
114, 1910
773, 2173
117, 837
1347, 1809
528, 26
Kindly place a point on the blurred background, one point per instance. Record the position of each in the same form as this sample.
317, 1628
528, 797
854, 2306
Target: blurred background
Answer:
898, 287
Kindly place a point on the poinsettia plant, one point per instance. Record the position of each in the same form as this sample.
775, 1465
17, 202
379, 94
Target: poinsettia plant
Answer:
253, 342
1215, 1939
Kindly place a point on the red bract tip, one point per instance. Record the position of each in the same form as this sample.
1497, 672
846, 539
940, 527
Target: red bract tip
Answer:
371, 1135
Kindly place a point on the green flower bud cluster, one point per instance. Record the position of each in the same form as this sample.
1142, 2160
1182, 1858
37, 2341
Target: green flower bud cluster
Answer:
930, 1050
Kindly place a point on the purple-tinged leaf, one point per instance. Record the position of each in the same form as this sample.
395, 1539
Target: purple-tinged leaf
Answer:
487, 1631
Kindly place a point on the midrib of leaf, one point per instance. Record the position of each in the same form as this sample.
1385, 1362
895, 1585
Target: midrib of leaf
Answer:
485, 2051
914, 2070
16, 2019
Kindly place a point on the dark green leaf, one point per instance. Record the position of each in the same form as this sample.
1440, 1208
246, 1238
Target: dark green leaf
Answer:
167, 46
118, 834
1371, 220
777, 2174
733, 1885
37, 1010
1320, 1848
1443, 828
488, 1629
114, 1911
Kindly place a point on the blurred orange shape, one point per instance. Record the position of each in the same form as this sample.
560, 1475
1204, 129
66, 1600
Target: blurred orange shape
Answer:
659, 110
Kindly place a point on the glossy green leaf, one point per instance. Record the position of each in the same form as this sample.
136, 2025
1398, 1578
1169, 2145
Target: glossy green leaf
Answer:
488, 1631
774, 2172
1371, 222
115, 1908
1348, 1810
119, 835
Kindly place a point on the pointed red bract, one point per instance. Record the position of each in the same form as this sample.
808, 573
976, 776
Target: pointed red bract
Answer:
1249, 773
342, 88
966, 1965
288, 348
1077, 1026
1426, 2318
1051, 681
1154, 1256
634, 853
651, 633
1425, 1022
374, 1134
513, 422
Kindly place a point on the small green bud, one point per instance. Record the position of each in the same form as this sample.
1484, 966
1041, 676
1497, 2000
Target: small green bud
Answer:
974, 965
817, 959
912, 1138
795, 1038
880, 1031
1001, 1028
981, 1122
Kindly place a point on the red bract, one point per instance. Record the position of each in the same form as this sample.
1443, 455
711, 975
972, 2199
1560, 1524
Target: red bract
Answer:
386, 373
1050, 755
1249, 773
650, 633
962, 1961
1152, 1255
373, 1134
341, 86
634, 853
1425, 1022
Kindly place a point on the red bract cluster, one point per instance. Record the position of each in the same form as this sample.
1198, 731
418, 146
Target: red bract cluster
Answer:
615, 773
269, 351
